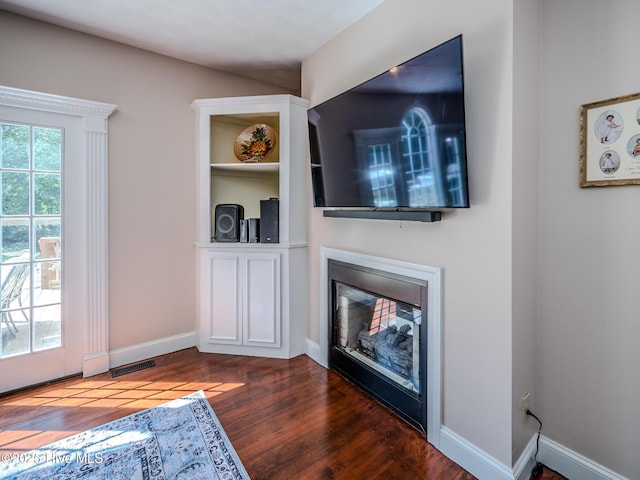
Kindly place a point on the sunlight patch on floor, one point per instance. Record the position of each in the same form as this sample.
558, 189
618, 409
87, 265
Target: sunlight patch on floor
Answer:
121, 394
97, 394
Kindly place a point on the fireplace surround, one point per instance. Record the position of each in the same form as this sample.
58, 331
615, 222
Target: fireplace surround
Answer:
381, 329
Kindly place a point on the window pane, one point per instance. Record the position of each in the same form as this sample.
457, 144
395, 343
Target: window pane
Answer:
16, 289
47, 326
16, 341
49, 277
15, 193
15, 239
46, 194
47, 237
14, 146
16, 286
47, 149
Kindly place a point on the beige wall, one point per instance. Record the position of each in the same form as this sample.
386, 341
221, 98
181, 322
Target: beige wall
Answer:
474, 247
151, 161
589, 305
524, 215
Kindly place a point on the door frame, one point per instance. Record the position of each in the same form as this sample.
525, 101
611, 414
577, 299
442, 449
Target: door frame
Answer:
94, 117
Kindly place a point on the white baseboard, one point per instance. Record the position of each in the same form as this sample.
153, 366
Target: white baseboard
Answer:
144, 351
313, 351
481, 464
571, 464
553, 455
471, 458
95, 363
523, 467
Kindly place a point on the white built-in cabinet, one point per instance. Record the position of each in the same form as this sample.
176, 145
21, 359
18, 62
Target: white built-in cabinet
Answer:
252, 297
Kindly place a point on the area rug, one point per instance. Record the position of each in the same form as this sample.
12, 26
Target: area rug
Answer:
180, 440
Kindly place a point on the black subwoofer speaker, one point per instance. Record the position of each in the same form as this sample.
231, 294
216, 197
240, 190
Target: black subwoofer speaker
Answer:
270, 221
227, 218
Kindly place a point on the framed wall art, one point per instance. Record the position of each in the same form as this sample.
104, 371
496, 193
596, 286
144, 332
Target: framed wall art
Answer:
610, 142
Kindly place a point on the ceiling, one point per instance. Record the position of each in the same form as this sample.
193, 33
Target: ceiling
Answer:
265, 40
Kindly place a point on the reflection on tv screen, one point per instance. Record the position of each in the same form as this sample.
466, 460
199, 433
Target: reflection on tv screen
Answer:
397, 140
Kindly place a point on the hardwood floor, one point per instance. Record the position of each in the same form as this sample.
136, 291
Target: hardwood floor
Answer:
285, 418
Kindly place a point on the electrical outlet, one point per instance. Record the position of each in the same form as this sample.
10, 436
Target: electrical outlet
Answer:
526, 398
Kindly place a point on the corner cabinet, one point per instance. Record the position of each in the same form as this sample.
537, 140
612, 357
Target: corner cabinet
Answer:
252, 297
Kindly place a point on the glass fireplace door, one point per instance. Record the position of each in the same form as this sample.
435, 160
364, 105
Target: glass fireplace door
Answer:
381, 333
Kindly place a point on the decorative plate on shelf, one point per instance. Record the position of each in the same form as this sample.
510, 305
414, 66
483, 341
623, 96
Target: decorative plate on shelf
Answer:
255, 143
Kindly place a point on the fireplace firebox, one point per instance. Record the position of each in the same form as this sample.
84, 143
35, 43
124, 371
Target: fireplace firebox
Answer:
378, 328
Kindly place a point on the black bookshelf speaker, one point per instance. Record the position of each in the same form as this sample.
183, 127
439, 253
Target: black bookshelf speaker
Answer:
270, 221
227, 222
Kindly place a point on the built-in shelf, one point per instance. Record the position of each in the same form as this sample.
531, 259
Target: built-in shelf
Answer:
252, 297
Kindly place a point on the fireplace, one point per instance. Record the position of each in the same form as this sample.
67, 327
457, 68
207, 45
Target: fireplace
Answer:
378, 335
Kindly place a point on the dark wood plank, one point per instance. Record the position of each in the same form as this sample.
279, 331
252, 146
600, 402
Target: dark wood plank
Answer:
286, 418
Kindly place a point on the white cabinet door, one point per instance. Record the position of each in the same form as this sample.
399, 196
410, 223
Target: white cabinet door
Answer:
224, 321
242, 292
261, 306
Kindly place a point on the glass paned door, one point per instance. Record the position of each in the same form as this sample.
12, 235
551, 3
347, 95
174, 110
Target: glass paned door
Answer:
31, 240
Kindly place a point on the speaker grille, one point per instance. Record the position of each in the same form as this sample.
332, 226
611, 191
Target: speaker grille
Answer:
225, 223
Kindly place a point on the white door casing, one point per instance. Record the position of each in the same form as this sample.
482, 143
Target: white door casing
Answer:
87, 234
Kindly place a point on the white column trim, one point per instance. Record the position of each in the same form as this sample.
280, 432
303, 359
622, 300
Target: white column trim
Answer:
96, 352
94, 117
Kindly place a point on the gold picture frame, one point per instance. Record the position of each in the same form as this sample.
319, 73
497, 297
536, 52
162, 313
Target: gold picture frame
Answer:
610, 142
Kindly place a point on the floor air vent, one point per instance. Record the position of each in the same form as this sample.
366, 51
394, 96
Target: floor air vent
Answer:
116, 372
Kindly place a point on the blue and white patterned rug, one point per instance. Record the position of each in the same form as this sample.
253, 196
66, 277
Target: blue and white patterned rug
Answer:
180, 440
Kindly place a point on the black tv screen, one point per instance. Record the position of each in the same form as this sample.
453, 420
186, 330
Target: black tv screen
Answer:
396, 141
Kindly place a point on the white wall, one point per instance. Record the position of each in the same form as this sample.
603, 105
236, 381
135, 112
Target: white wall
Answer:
589, 305
525, 215
474, 247
151, 161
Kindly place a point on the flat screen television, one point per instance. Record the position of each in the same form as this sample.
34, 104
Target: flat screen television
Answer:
396, 142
